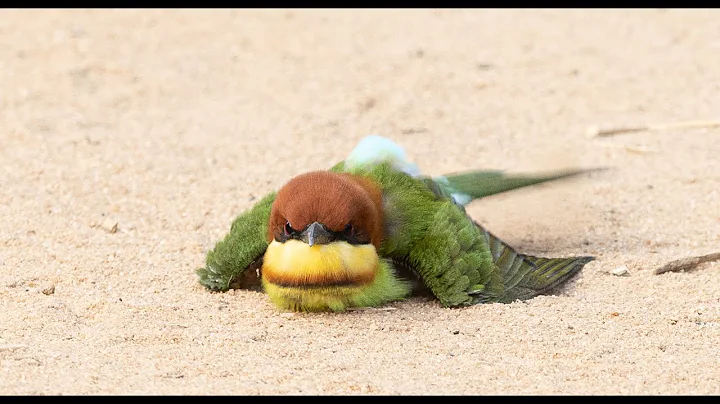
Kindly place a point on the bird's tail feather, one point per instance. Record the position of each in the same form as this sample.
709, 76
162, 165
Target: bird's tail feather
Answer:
467, 186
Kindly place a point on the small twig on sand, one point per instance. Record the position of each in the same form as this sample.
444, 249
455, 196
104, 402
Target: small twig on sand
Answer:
687, 263
596, 131
12, 347
372, 308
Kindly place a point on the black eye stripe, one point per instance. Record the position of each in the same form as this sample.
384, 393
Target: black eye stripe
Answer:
352, 236
349, 234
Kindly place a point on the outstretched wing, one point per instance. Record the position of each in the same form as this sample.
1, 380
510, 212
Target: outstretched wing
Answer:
464, 264
236, 259
525, 276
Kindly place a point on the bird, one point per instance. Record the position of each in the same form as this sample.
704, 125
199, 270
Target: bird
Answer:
372, 230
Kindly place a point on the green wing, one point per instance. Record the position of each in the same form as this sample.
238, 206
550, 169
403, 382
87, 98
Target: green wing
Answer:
453, 259
459, 261
524, 276
462, 264
236, 259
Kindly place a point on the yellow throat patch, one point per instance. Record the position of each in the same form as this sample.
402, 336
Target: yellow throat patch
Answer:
295, 263
297, 276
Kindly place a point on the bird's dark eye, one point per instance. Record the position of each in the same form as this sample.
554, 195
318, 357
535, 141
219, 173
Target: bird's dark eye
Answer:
348, 229
288, 229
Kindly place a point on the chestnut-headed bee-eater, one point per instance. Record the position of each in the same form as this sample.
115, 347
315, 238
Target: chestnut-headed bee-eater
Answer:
373, 230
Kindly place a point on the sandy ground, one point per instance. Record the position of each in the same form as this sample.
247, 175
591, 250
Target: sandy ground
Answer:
171, 123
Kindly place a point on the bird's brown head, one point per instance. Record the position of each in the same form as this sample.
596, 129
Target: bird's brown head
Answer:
321, 206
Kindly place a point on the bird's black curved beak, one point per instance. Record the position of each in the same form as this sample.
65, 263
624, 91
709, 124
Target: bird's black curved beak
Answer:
316, 233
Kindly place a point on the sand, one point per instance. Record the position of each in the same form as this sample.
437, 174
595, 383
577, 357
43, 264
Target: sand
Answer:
170, 123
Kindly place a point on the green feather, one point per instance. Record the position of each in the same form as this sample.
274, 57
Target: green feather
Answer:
235, 258
525, 276
386, 287
471, 185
